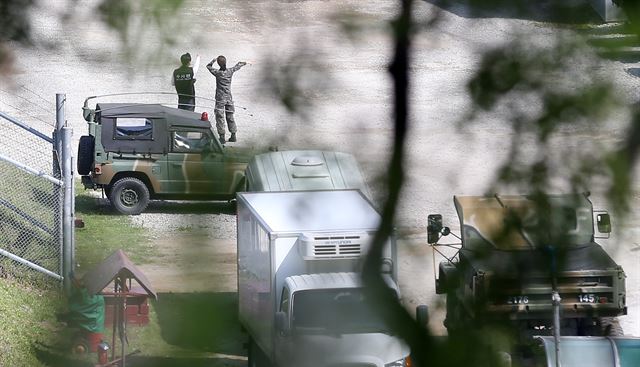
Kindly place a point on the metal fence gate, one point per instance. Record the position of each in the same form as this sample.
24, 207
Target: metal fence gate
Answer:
36, 198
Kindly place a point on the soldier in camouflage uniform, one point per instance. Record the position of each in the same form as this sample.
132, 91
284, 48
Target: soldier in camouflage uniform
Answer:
224, 100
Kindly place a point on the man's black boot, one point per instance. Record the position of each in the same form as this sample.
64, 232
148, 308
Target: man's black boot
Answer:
233, 137
222, 141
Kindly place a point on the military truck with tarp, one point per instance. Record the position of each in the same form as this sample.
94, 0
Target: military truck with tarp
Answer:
136, 152
515, 252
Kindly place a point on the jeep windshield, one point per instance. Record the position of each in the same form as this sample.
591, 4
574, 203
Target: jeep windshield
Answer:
335, 311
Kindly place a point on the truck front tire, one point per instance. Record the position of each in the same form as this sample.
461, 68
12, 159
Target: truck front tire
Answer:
256, 356
129, 196
457, 319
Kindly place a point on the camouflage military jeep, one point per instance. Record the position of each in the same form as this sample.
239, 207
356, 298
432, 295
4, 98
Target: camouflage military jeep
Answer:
138, 152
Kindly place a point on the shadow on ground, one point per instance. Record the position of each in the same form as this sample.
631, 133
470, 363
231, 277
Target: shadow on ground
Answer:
554, 11
206, 322
191, 207
204, 325
633, 72
51, 357
55, 359
98, 205
137, 361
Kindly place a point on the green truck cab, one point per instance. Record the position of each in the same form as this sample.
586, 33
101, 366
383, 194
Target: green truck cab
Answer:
137, 152
514, 253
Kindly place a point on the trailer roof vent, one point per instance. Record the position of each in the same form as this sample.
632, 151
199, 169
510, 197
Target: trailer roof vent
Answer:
333, 246
306, 161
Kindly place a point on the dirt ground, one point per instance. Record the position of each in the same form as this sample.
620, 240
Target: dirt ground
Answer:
347, 108
198, 260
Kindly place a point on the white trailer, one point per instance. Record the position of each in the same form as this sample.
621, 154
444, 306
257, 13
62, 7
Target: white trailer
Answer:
299, 289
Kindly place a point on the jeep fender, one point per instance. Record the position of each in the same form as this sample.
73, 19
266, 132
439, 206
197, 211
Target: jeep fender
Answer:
139, 175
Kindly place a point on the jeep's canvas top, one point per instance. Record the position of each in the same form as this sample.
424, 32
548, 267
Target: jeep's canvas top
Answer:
315, 211
142, 128
172, 116
297, 170
513, 223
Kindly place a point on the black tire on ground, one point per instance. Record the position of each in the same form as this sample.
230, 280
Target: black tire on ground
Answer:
86, 148
256, 356
611, 326
456, 320
422, 315
251, 354
129, 196
107, 190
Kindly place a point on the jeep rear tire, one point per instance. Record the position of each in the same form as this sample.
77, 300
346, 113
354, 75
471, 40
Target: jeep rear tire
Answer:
129, 196
86, 148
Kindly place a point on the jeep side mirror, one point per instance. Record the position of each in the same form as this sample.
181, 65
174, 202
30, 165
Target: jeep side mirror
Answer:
422, 315
603, 221
88, 114
434, 227
281, 323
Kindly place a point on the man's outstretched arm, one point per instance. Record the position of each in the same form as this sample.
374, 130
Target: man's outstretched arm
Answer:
238, 66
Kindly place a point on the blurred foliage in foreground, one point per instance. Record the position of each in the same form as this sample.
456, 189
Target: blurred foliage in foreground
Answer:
538, 86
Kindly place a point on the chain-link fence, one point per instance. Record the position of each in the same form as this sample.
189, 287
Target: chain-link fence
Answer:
31, 201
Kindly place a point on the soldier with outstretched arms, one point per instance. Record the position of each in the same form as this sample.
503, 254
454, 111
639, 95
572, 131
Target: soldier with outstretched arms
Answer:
224, 100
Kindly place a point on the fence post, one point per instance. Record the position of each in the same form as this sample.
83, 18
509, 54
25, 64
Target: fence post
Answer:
64, 134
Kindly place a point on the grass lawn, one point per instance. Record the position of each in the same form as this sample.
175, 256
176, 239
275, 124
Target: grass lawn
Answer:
27, 318
29, 331
185, 329
105, 232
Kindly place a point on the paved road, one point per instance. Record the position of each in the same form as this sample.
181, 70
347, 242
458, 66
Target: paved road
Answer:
347, 105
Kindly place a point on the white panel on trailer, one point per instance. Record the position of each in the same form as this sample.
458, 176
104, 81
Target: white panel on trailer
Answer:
316, 211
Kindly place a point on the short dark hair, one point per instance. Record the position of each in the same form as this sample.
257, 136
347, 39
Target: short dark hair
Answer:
221, 60
185, 59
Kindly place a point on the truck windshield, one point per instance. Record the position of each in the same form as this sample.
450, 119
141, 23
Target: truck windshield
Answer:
342, 311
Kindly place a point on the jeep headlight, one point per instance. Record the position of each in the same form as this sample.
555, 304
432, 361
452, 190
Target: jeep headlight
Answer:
404, 362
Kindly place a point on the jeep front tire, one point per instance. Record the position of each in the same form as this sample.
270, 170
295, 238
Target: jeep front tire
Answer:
129, 196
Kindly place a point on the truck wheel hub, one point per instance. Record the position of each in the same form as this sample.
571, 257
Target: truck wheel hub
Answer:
129, 197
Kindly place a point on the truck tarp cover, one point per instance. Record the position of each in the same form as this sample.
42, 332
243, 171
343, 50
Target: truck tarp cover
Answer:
569, 217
